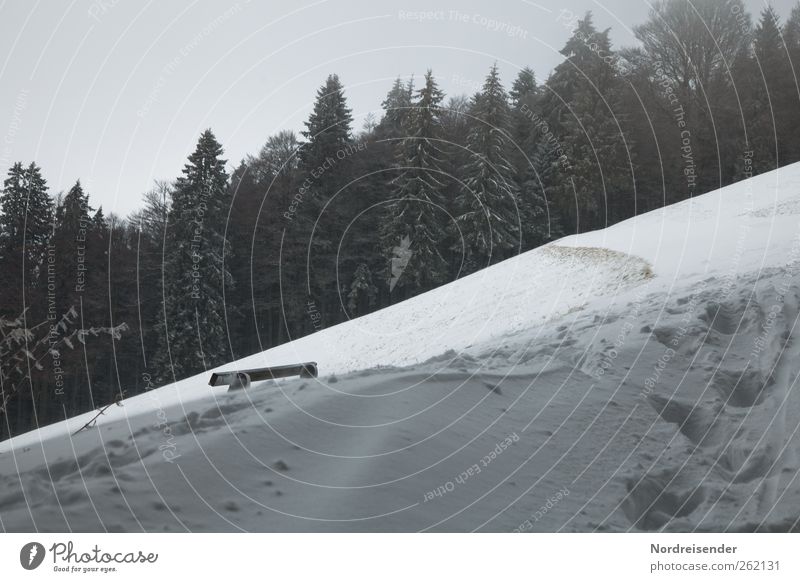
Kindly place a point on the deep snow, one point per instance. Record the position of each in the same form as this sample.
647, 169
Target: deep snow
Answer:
638, 377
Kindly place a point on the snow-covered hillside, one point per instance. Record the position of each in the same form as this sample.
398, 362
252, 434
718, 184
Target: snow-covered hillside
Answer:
638, 377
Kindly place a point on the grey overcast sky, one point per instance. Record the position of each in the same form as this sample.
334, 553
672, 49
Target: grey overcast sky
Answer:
116, 92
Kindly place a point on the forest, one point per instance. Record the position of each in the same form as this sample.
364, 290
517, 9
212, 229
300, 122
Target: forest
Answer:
339, 221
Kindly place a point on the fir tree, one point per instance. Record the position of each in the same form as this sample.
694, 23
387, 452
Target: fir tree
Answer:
194, 335
325, 161
525, 123
790, 108
69, 242
769, 79
524, 90
26, 225
415, 211
590, 168
329, 127
489, 215
397, 109
532, 159
96, 299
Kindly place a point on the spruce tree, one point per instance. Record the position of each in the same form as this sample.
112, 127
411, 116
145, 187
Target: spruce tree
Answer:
489, 216
771, 85
526, 121
415, 212
319, 219
590, 176
26, 270
524, 90
70, 239
396, 109
96, 298
329, 127
67, 282
194, 335
532, 161
790, 112
26, 225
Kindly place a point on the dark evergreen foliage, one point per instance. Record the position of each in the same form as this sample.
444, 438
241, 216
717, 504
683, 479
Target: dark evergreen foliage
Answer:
416, 216
194, 334
317, 229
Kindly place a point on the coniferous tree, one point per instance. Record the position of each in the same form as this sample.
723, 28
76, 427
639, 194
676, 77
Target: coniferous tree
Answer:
325, 161
589, 158
531, 159
68, 284
328, 134
699, 67
489, 214
415, 214
360, 261
26, 270
455, 125
26, 225
524, 96
769, 82
329, 127
194, 334
98, 239
524, 89
396, 109
789, 114
69, 242
791, 30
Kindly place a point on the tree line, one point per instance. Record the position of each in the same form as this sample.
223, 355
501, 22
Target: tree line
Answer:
337, 222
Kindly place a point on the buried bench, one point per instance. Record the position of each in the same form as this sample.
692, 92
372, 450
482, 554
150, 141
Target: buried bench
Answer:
241, 378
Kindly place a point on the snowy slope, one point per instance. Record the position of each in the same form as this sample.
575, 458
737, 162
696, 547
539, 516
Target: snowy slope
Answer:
635, 377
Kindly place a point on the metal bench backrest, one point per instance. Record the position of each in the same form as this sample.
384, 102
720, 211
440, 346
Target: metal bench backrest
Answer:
304, 370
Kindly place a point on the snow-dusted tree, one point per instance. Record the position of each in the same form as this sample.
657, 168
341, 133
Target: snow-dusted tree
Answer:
531, 159
194, 335
329, 127
397, 109
524, 90
489, 216
526, 122
589, 163
72, 214
415, 211
26, 225
70, 237
325, 160
29, 391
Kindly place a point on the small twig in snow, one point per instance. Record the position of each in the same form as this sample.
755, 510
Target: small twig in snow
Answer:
93, 421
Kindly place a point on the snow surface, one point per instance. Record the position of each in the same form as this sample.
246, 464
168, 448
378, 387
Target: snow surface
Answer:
637, 377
